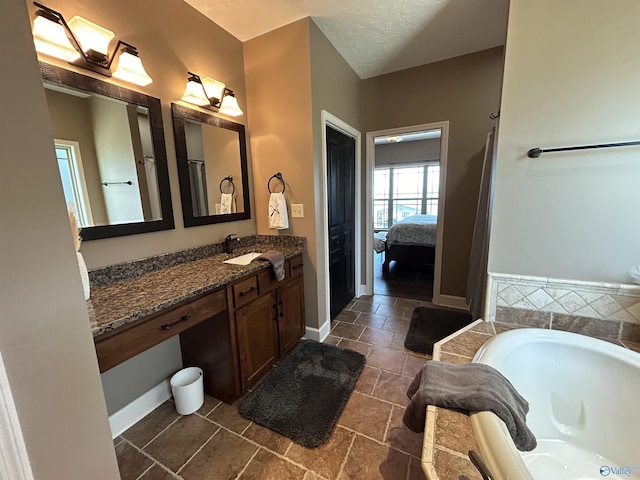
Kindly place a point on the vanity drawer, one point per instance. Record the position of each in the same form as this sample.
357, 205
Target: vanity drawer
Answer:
245, 291
296, 265
267, 278
145, 333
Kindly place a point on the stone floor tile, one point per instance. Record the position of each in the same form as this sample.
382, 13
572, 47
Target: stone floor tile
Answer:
365, 307
222, 458
363, 348
209, 404
413, 365
347, 330
367, 380
370, 320
386, 359
326, 459
392, 388
366, 415
131, 462
347, 316
377, 336
267, 438
332, 340
400, 437
173, 447
146, 429
157, 473
266, 466
415, 470
369, 460
228, 416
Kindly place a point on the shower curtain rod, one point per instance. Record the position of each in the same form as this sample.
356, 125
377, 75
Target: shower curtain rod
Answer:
536, 152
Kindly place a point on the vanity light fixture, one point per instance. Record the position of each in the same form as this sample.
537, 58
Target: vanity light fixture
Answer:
85, 44
209, 93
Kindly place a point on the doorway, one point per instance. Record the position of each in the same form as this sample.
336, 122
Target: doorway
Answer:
405, 174
341, 218
322, 226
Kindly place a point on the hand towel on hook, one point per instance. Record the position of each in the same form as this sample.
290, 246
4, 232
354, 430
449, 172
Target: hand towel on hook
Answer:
278, 218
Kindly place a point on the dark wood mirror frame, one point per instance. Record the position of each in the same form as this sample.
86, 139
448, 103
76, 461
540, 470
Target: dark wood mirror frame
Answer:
53, 74
180, 115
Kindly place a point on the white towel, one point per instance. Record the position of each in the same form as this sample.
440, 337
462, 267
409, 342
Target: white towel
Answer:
227, 203
278, 218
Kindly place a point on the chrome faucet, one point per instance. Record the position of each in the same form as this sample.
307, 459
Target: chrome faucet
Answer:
229, 242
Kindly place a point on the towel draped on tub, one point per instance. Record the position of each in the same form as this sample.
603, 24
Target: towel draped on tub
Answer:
471, 387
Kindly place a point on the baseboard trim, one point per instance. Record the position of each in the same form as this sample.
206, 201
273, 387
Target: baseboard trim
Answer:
363, 290
135, 411
451, 301
318, 334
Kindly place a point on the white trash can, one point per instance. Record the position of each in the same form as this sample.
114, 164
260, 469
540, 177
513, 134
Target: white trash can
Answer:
188, 390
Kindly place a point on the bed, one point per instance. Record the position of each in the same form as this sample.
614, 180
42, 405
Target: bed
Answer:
413, 239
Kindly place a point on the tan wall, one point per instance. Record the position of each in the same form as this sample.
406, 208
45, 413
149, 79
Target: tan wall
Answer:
464, 91
45, 338
335, 87
171, 40
569, 215
277, 67
292, 74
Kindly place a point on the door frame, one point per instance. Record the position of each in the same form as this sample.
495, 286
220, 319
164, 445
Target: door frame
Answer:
371, 155
322, 228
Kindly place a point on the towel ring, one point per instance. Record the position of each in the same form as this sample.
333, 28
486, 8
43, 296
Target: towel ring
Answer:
230, 180
279, 177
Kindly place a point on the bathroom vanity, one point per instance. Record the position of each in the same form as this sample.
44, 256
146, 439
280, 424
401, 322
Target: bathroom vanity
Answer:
234, 321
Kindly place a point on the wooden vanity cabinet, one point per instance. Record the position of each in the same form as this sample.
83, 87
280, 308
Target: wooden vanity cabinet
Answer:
235, 334
269, 325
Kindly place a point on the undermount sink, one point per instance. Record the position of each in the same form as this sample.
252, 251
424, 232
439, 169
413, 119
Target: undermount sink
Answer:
243, 259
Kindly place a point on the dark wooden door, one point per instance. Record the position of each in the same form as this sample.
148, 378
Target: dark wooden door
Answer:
341, 151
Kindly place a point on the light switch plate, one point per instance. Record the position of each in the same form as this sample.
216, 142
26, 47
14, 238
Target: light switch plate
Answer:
297, 210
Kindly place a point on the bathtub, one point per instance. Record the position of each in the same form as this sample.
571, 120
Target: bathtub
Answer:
584, 399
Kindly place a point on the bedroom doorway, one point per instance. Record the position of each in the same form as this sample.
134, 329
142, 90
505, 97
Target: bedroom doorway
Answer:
406, 170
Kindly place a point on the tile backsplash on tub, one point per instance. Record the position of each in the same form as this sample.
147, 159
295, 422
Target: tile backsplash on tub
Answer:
603, 310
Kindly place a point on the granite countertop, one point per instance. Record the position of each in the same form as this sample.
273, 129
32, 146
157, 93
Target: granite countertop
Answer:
124, 300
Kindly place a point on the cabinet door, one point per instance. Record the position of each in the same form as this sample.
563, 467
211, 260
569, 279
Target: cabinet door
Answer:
290, 314
257, 338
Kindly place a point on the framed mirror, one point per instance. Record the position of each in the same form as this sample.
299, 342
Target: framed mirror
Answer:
109, 143
212, 167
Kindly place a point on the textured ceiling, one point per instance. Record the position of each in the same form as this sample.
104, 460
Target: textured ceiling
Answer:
374, 37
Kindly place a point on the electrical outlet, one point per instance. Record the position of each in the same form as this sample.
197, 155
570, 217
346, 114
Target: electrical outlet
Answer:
297, 210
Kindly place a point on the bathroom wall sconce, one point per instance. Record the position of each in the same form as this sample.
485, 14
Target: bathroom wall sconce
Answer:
86, 45
212, 94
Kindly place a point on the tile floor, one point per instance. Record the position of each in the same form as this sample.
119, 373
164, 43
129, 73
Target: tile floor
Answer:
369, 441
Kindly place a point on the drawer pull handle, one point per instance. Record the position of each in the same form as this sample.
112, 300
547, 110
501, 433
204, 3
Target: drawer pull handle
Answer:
242, 294
167, 326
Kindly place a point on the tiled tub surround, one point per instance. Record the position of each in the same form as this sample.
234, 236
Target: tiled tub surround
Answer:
448, 434
123, 293
604, 310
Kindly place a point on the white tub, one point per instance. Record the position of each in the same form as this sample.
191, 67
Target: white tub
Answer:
584, 398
